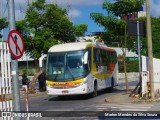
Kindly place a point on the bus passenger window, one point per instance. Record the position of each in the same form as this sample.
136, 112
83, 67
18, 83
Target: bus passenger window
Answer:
97, 56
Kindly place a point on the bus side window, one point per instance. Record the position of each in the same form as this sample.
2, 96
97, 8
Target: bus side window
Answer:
96, 55
115, 57
112, 57
108, 57
103, 57
89, 57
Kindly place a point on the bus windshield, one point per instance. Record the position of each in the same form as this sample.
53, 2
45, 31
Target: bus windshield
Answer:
65, 66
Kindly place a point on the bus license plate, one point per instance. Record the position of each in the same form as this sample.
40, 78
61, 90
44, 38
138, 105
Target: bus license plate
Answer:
65, 91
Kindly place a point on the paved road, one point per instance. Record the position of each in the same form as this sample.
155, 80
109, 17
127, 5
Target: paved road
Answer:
119, 102
117, 107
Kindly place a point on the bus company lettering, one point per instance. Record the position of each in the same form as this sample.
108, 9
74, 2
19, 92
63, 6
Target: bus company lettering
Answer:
64, 83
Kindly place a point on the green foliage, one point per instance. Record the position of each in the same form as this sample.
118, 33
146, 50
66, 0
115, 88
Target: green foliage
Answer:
46, 25
80, 29
23, 71
89, 40
3, 24
155, 26
132, 66
30, 72
115, 28
123, 7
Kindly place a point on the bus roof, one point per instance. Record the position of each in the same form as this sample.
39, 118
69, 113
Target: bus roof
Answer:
77, 46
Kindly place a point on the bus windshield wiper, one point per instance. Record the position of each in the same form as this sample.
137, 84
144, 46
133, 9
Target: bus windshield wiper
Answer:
70, 72
56, 77
67, 67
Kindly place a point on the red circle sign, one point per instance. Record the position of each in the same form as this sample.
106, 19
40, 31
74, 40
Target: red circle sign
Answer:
16, 44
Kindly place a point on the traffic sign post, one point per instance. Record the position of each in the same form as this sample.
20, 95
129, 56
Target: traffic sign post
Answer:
16, 44
14, 62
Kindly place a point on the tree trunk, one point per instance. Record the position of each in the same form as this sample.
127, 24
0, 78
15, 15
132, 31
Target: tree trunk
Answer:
126, 77
32, 88
2, 98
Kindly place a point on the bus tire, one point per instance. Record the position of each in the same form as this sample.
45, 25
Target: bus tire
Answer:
112, 85
95, 90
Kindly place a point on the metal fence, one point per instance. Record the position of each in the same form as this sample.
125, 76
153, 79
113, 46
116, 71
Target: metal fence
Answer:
6, 103
145, 75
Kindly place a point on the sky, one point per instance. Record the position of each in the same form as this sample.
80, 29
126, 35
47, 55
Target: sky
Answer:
79, 12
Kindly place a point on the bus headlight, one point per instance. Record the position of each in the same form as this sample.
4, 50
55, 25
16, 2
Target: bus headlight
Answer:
84, 82
48, 85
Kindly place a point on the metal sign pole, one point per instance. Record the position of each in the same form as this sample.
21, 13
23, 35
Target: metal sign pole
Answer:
14, 63
139, 53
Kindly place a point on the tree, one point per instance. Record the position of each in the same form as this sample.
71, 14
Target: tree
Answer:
3, 24
46, 25
80, 29
116, 28
155, 24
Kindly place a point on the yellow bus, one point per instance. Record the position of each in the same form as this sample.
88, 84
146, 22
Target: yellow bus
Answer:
80, 68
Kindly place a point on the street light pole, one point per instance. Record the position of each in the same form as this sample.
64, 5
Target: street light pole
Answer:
150, 52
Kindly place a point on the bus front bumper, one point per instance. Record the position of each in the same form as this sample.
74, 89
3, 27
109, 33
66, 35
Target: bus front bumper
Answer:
82, 89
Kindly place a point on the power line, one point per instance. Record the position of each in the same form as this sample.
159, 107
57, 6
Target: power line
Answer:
5, 8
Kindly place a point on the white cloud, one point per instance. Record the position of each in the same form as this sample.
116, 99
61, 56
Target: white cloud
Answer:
21, 6
74, 14
155, 11
19, 15
77, 2
154, 8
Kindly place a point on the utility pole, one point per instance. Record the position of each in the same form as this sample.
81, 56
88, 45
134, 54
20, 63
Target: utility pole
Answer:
14, 63
150, 53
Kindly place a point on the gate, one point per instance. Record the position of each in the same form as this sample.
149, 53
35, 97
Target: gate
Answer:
6, 103
145, 76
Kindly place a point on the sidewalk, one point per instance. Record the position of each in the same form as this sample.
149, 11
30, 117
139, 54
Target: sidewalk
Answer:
22, 95
123, 97
36, 94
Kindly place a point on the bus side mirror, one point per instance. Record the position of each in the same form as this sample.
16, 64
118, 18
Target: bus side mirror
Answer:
85, 57
42, 60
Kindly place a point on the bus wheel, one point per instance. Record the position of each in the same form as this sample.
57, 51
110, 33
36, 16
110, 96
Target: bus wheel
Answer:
94, 94
112, 84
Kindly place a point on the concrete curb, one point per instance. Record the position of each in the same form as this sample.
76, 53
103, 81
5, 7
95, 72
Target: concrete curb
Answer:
37, 94
123, 97
147, 100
